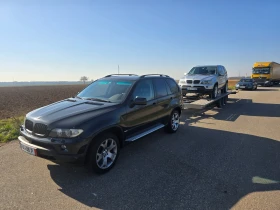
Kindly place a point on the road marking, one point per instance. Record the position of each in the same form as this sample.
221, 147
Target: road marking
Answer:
231, 117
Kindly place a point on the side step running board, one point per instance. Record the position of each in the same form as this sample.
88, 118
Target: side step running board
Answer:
133, 138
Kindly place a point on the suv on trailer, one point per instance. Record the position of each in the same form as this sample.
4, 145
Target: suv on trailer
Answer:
102, 118
205, 80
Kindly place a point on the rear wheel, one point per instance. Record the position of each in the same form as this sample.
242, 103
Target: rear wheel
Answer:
174, 122
103, 153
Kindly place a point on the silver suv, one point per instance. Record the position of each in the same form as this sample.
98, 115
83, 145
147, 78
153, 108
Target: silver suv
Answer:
208, 79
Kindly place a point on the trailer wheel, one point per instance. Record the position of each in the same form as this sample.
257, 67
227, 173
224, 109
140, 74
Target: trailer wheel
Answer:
225, 100
219, 103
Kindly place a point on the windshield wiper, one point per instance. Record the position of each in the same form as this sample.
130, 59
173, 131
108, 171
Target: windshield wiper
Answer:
78, 97
98, 99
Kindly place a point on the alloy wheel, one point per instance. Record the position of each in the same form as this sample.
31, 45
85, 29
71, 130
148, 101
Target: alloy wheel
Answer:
175, 121
215, 91
106, 153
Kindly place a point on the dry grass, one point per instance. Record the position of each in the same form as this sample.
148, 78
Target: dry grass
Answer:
232, 82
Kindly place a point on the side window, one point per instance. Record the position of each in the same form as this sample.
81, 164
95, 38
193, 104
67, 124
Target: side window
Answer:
144, 89
173, 86
220, 70
225, 71
161, 88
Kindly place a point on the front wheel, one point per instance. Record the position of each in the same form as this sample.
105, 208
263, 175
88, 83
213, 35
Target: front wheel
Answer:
214, 92
225, 89
174, 122
103, 153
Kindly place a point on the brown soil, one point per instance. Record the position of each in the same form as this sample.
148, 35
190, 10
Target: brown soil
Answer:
17, 101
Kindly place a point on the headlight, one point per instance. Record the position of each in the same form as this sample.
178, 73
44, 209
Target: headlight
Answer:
65, 133
206, 82
182, 82
237, 85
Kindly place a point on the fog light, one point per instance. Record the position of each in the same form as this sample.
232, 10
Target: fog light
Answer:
63, 147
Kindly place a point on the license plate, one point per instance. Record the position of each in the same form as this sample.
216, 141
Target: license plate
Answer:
28, 149
242, 86
191, 88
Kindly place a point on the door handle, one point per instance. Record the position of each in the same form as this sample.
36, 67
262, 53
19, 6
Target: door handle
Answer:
154, 103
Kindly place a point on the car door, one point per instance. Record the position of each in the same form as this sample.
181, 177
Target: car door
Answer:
164, 97
139, 117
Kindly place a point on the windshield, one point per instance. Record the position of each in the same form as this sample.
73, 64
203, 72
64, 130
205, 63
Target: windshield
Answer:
107, 90
261, 70
203, 70
246, 80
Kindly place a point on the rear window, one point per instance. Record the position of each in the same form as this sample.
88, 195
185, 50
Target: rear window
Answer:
172, 85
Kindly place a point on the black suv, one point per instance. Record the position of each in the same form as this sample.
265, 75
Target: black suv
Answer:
102, 118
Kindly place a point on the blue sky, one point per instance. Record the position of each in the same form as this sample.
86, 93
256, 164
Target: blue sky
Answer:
63, 40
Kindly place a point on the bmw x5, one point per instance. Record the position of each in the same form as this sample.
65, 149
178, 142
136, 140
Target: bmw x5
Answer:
110, 112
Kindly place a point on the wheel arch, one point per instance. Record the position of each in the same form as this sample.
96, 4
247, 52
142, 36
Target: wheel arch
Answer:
178, 109
114, 129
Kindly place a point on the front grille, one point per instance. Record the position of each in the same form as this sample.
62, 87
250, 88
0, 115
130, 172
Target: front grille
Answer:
196, 81
189, 81
40, 129
29, 125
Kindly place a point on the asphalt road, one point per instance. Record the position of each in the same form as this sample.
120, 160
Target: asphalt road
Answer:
223, 159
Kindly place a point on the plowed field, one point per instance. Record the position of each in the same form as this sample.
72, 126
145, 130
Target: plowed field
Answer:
17, 101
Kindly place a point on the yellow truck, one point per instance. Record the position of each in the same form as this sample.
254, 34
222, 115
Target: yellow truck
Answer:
266, 73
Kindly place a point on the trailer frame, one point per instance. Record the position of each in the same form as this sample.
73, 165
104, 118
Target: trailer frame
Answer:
198, 102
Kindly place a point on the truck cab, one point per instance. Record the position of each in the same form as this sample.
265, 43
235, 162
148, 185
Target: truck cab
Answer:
266, 73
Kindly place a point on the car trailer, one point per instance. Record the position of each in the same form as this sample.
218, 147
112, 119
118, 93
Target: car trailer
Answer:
198, 102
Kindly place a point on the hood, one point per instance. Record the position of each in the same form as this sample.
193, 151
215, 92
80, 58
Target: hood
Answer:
69, 108
198, 77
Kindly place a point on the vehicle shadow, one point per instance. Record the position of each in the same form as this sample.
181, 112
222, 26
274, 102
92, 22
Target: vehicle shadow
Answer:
268, 89
234, 109
195, 168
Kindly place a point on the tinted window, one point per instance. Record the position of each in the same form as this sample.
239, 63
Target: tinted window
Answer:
107, 89
161, 88
203, 70
225, 71
173, 86
220, 69
144, 89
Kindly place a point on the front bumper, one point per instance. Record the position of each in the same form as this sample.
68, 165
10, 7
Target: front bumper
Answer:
51, 149
198, 89
244, 88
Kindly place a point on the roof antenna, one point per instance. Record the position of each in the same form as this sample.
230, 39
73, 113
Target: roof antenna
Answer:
118, 69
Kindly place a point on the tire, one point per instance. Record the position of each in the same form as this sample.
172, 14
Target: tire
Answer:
214, 93
219, 103
225, 88
225, 99
106, 147
173, 122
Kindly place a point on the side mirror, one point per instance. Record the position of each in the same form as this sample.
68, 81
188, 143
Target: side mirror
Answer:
140, 101
185, 74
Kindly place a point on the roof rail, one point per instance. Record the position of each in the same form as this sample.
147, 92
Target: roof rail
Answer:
121, 75
161, 75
